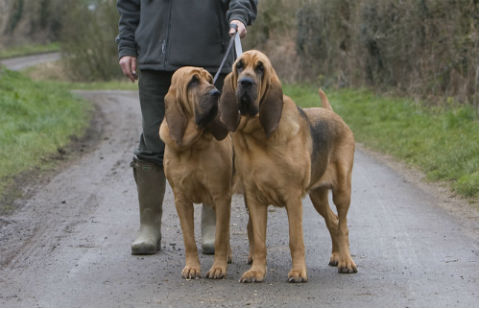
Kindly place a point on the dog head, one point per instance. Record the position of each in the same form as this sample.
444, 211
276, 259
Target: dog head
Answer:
252, 89
192, 97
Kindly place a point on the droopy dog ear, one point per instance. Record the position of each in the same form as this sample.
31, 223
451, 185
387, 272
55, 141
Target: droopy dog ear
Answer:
229, 114
271, 105
175, 116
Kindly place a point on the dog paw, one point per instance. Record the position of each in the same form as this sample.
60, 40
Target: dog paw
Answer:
347, 266
191, 272
216, 272
252, 276
334, 258
297, 276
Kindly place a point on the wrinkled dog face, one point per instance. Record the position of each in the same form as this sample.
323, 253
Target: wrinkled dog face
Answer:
204, 96
191, 95
252, 89
250, 72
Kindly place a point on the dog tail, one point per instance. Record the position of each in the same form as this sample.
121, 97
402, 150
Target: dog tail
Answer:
324, 98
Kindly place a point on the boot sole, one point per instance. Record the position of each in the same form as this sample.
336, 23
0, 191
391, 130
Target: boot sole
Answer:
145, 249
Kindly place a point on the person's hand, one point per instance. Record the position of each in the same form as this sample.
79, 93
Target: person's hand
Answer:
129, 67
241, 29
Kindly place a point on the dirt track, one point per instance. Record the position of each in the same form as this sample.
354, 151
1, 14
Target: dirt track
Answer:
20, 63
69, 243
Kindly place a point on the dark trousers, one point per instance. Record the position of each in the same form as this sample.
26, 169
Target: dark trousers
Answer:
153, 86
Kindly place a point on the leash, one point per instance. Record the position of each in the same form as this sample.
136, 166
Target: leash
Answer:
238, 50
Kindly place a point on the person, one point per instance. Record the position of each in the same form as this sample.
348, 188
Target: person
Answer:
156, 38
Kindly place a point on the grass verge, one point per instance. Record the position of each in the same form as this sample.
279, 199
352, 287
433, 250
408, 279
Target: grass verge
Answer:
441, 141
110, 85
24, 50
54, 72
37, 119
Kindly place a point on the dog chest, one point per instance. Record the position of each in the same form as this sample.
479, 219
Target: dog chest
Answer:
272, 178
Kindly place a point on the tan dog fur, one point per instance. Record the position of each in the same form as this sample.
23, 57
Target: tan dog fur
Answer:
198, 163
282, 153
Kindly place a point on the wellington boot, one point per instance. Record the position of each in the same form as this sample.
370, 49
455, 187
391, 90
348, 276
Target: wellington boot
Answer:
150, 180
208, 229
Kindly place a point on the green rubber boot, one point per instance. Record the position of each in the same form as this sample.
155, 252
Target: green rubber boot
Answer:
208, 229
150, 180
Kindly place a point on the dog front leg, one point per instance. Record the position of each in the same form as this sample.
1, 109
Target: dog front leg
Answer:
185, 214
250, 240
222, 240
258, 225
298, 273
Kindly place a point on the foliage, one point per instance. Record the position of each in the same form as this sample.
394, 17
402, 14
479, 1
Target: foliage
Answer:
37, 119
426, 48
442, 141
31, 22
87, 42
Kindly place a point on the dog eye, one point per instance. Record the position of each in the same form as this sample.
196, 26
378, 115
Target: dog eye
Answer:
194, 81
239, 65
259, 68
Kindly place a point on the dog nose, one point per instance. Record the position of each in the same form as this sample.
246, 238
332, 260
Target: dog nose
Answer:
246, 82
214, 92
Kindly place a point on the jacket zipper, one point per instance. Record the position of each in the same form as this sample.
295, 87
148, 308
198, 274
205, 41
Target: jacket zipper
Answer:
221, 27
165, 42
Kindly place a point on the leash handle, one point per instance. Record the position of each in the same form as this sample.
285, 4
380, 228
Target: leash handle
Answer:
234, 26
229, 48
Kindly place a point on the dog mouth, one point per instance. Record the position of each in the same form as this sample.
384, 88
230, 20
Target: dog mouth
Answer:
246, 104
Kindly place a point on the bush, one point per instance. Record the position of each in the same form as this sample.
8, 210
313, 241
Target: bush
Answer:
426, 48
31, 22
88, 40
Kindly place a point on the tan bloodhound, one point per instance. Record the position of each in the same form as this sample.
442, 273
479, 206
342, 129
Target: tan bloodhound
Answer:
198, 162
283, 152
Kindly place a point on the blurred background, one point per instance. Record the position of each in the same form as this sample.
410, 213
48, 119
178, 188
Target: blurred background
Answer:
426, 48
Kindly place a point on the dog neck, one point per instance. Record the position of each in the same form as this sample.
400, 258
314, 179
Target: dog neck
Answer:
193, 137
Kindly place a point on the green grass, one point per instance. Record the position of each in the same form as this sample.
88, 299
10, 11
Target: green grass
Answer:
24, 50
441, 141
110, 85
36, 119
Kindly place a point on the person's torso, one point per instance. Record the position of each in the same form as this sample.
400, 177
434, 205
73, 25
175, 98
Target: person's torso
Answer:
175, 33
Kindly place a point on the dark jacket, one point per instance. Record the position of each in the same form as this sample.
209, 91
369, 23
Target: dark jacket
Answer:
167, 34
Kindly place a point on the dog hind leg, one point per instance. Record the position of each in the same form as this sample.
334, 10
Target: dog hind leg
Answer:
319, 198
341, 194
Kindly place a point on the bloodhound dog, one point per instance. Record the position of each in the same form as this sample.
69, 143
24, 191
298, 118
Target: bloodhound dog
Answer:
283, 152
198, 162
